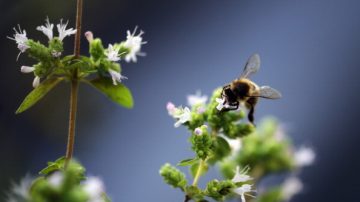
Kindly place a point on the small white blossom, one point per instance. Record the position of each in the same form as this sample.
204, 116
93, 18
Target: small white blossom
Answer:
197, 99
20, 192
183, 116
56, 179
27, 69
116, 76
241, 176
63, 32
221, 104
55, 54
95, 188
244, 190
47, 29
112, 53
235, 144
170, 107
134, 42
21, 40
36, 82
304, 156
291, 187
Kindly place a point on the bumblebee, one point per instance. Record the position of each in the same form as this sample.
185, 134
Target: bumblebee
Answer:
245, 91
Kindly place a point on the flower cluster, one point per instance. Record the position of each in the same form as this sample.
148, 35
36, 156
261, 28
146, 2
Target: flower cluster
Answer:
101, 60
222, 138
209, 129
269, 151
101, 69
60, 184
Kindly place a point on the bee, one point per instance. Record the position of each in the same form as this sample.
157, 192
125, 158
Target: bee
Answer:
243, 90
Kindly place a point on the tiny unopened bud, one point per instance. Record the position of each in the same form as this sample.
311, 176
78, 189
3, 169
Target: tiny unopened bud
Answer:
170, 108
36, 81
27, 69
198, 131
89, 36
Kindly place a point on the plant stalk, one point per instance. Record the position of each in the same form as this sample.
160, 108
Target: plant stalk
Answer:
74, 87
72, 120
198, 172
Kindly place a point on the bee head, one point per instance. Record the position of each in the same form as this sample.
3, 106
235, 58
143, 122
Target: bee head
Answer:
228, 95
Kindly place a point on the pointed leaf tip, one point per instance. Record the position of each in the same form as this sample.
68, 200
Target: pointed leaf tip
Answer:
37, 94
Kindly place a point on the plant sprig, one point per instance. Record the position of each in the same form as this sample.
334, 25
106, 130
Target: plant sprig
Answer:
209, 130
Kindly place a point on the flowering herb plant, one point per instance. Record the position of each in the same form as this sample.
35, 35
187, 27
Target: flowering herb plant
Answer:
244, 154
65, 178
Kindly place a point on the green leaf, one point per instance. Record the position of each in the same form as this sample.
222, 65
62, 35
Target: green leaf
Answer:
188, 162
39, 92
50, 169
119, 93
53, 166
222, 148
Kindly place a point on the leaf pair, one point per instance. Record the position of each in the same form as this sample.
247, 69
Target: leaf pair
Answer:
119, 93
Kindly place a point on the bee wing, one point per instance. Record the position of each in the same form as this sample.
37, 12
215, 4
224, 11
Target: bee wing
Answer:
268, 92
252, 66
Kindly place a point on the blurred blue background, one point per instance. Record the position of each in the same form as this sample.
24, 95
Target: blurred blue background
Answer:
309, 51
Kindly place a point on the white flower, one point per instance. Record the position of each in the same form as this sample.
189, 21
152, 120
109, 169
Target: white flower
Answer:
20, 192
304, 156
220, 102
47, 29
244, 190
235, 145
170, 107
116, 76
95, 188
55, 54
112, 53
63, 32
183, 116
56, 179
21, 40
240, 175
27, 69
36, 82
134, 42
197, 99
291, 187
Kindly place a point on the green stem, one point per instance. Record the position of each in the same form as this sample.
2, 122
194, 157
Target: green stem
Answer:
74, 87
198, 172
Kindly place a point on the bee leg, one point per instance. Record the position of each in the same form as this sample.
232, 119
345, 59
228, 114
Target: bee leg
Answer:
223, 90
232, 106
251, 115
235, 104
250, 104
